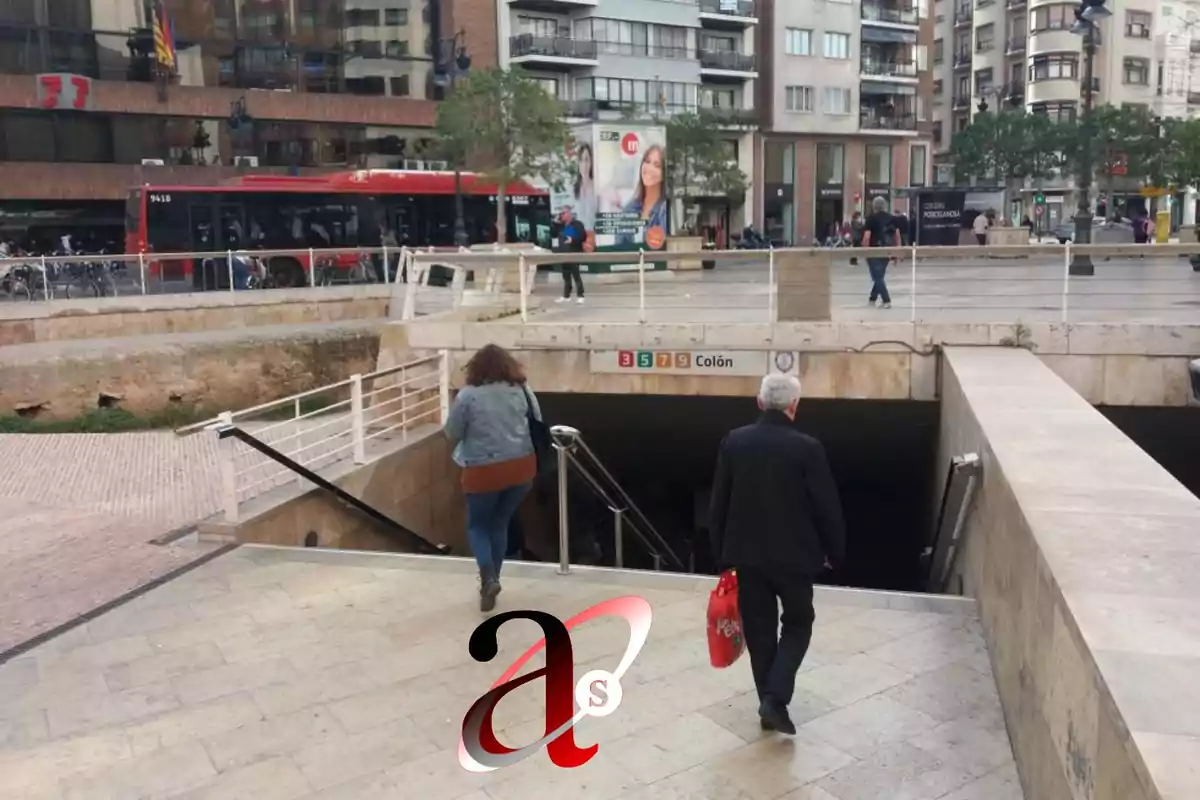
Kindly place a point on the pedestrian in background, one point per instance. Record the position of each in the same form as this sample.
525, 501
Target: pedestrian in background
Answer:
776, 518
879, 230
571, 238
489, 426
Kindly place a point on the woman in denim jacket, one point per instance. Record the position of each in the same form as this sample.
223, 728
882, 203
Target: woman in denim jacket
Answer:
489, 426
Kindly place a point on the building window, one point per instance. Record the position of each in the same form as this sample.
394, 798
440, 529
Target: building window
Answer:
831, 164
837, 45
538, 26
1137, 24
985, 38
918, 158
1052, 18
1137, 71
879, 163
837, 100
400, 86
549, 85
1058, 112
938, 46
396, 16
1047, 68
983, 80
797, 42
397, 48
937, 88
362, 17
961, 122
621, 38
937, 132
964, 87
799, 98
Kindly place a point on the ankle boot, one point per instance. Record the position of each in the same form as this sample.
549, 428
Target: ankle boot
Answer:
489, 587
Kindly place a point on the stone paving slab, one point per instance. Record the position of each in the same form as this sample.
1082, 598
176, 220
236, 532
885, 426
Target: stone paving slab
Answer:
276, 674
79, 511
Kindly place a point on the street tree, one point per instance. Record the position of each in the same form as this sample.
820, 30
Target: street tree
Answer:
503, 125
1007, 147
701, 158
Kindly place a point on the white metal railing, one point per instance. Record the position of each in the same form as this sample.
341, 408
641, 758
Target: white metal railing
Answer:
385, 405
993, 283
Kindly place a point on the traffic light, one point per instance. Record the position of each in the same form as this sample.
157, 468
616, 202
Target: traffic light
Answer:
1039, 198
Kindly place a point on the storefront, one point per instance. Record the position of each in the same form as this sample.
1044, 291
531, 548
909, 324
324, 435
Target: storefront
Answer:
779, 191
830, 189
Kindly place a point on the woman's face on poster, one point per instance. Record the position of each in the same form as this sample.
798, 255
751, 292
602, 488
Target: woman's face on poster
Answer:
585, 163
652, 168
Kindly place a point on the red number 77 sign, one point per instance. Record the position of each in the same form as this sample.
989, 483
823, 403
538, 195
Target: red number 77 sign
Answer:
64, 92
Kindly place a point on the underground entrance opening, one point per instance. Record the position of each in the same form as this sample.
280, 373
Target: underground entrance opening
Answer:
662, 450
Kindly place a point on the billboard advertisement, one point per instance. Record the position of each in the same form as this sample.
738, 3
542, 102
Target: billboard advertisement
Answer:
579, 191
631, 204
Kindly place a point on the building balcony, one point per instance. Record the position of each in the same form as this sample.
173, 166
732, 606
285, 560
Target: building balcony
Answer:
729, 14
552, 52
890, 13
960, 102
1013, 5
888, 69
1193, 98
963, 14
731, 117
962, 60
580, 109
553, 6
1015, 45
721, 64
871, 119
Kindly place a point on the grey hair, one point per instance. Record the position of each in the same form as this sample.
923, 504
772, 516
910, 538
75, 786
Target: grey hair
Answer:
778, 391
879, 204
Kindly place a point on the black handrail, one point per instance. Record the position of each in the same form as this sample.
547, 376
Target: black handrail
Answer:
641, 527
422, 544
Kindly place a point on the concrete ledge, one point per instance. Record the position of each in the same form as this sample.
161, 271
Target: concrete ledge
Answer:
1108, 364
145, 315
701, 584
1083, 554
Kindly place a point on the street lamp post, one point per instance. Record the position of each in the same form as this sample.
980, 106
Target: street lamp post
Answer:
1086, 15
453, 63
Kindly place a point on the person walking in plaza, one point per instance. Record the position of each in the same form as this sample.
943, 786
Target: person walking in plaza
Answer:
879, 230
776, 518
571, 238
489, 427
980, 227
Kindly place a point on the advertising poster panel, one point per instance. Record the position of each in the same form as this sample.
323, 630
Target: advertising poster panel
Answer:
939, 218
631, 204
578, 192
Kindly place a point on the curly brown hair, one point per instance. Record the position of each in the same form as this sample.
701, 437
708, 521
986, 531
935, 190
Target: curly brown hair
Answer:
493, 364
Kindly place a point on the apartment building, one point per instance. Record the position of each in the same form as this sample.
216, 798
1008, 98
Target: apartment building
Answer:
844, 103
639, 62
990, 54
318, 84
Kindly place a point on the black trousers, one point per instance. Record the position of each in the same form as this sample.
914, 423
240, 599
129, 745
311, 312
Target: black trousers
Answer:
775, 655
570, 271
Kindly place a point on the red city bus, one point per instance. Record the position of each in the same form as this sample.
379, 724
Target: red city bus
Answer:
346, 209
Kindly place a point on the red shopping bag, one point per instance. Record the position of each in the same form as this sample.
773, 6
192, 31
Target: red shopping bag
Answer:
725, 642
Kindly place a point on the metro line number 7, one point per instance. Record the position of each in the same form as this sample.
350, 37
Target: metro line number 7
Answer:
52, 91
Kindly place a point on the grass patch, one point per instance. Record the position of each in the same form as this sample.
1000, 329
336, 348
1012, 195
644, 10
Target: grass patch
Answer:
106, 420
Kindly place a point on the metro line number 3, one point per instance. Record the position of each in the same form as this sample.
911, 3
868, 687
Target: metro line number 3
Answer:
56, 88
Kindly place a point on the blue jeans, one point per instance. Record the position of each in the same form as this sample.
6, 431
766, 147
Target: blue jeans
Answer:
488, 516
878, 269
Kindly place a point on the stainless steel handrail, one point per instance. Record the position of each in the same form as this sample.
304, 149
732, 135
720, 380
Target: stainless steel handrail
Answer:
626, 515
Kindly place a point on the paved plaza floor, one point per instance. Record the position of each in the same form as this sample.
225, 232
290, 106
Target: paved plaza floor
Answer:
982, 290
271, 674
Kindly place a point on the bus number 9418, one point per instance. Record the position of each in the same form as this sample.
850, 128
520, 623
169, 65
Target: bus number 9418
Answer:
160, 198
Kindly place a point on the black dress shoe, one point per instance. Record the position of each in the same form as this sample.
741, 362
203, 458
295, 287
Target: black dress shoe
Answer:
774, 717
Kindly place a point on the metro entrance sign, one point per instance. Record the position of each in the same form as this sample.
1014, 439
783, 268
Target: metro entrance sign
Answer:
732, 363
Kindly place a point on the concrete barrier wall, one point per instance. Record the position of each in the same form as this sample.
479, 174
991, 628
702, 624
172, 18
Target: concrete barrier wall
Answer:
417, 485
138, 315
217, 372
1083, 553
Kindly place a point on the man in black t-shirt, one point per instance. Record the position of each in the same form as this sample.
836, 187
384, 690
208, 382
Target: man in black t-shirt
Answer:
879, 230
571, 237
